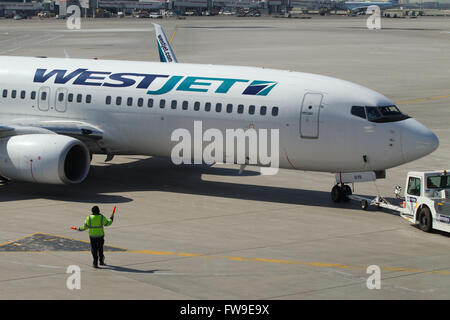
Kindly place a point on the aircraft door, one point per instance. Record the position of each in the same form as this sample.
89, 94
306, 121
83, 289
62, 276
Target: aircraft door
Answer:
44, 98
61, 100
309, 115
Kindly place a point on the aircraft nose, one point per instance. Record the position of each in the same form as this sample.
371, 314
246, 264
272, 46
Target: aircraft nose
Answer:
417, 140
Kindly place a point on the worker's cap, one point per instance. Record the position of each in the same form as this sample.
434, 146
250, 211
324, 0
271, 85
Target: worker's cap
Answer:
95, 210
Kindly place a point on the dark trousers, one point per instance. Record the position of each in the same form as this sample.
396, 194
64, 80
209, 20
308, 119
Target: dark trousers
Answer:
97, 248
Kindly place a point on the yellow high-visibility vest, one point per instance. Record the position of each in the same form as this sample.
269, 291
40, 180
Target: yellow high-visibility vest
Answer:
95, 224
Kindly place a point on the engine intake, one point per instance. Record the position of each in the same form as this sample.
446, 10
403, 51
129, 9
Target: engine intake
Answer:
44, 158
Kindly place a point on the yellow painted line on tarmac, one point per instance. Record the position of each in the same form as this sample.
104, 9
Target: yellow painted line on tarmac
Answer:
291, 262
173, 34
424, 99
315, 264
165, 253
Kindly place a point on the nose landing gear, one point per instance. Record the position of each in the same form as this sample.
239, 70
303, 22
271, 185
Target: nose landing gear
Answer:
340, 193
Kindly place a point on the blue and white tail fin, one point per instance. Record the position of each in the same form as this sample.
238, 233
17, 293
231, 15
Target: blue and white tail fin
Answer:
165, 50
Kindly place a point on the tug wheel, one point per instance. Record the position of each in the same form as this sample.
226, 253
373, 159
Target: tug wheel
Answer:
425, 221
364, 204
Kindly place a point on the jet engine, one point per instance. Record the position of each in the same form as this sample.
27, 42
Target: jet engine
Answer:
44, 158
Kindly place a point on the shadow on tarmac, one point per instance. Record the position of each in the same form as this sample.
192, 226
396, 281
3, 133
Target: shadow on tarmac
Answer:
125, 269
159, 174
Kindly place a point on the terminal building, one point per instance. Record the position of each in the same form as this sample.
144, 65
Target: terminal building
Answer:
104, 8
179, 7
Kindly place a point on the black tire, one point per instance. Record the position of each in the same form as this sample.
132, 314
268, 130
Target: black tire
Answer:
425, 220
364, 204
346, 192
337, 194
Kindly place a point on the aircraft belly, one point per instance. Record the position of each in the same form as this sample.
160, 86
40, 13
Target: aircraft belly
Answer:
135, 134
199, 133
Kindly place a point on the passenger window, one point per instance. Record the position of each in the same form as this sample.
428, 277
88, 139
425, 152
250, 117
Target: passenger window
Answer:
414, 186
229, 108
218, 107
241, 108
150, 103
5, 93
88, 98
263, 110
173, 105
140, 102
79, 98
208, 106
118, 101
251, 109
129, 101
70, 97
44, 96
22, 94
185, 105
359, 112
60, 97
108, 100
33, 95
162, 103
274, 111
13, 94
196, 105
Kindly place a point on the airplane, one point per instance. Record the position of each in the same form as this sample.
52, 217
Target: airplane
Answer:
57, 112
354, 7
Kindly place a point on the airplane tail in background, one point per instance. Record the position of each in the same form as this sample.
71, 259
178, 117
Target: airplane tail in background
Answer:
165, 50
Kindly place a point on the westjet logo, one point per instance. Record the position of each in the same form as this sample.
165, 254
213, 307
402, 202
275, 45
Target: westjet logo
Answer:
155, 84
163, 49
260, 88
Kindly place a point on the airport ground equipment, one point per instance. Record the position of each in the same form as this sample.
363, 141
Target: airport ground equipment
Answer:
425, 201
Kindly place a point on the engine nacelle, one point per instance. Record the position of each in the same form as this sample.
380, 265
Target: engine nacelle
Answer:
44, 158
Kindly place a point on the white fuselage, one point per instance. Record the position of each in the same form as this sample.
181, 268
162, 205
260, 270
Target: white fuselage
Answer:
325, 137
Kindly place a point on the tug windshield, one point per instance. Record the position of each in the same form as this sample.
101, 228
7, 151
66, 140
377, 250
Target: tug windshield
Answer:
438, 182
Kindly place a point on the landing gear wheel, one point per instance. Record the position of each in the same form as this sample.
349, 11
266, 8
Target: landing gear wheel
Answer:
347, 192
337, 194
425, 222
364, 204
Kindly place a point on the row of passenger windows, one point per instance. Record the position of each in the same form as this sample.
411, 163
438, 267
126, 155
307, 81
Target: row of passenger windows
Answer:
140, 102
22, 95
44, 95
196, 105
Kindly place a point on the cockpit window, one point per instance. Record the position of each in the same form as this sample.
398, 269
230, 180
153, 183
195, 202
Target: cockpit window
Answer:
389, 111
379, 114
385, 114
373, 113
359, 112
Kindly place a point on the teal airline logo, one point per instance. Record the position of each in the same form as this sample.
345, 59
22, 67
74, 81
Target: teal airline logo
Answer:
203, 84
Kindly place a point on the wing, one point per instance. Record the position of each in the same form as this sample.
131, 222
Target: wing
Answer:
85, 132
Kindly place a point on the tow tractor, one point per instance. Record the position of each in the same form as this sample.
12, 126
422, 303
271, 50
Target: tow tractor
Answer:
425, 200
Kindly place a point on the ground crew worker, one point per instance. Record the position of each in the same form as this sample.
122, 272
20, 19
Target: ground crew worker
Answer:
95, 223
